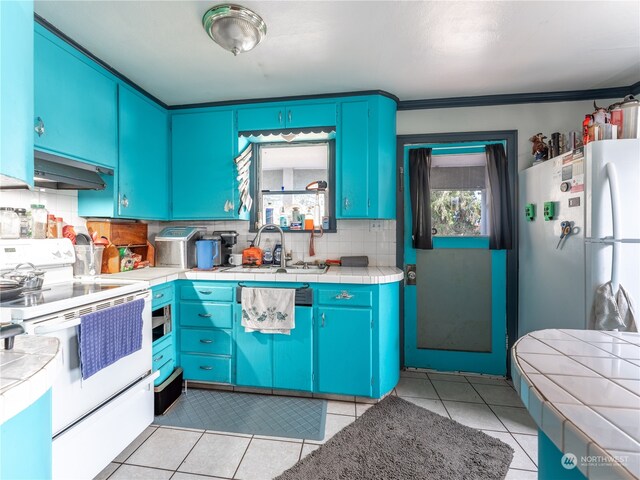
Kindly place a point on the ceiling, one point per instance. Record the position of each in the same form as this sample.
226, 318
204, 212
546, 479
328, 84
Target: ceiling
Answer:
414, 50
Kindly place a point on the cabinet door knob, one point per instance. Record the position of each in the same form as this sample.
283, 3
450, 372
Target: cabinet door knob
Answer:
39, 128
124, 201
346, 203
322, 316
289, 116
344, 295
206, 340
280, 117
206, 367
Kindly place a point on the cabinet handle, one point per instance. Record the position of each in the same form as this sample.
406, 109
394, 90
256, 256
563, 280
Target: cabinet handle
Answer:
204, 292
157, 359
124, 201
346, 203
206, 367
344, 295
205, 315
39, 128
322, 316
289, 116
158, 295
206, 340
280, 117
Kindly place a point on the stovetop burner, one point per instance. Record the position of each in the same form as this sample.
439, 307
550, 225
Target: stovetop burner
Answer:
55, 293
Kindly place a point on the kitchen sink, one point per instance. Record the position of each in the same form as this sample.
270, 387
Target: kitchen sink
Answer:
297, 269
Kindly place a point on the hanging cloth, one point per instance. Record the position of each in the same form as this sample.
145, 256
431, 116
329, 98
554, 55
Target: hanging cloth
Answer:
420, 192
613, 312
243, 162
500, 217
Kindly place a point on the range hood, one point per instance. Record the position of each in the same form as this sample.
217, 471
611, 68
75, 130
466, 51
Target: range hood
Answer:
59, 173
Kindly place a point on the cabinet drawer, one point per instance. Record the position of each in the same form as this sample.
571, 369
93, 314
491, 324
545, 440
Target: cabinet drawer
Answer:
206, 293
206, 368
347, 297
161, 357
162, 342
165, 370
206, 341
219, 315
161, 295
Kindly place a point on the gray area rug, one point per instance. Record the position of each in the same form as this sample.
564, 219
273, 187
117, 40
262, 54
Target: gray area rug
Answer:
399, 440
235, 412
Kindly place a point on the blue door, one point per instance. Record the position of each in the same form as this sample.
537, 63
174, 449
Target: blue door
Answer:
344, 350
253, 356
455, 314
144, 147
293, 354
203, 173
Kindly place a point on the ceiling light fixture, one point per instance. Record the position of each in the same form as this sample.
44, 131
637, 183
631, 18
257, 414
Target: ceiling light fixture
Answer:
234, 28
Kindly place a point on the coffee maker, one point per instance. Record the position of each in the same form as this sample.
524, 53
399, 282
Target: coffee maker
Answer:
229, 239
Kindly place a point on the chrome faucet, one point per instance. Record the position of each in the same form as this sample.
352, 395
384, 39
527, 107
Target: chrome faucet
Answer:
273, 226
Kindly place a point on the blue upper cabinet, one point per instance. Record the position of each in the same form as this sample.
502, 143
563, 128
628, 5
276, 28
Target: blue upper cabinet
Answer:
140, 186
204, 146
143, 171
75, 103
16, 91
366, 179
286, 115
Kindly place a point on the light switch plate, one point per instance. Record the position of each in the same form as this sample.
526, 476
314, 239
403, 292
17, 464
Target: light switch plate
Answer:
375, 226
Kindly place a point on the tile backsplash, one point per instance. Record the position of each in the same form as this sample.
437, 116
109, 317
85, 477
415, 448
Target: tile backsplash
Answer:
61, 203
354, 237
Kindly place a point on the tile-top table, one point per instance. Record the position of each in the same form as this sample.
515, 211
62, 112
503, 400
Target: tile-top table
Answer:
582, 388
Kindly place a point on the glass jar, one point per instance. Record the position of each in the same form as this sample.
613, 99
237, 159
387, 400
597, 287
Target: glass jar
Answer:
38, 221
25, 222
9, 223
52, 227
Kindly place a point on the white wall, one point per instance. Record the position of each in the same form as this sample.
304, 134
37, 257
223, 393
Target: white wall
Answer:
61, 203
527, 119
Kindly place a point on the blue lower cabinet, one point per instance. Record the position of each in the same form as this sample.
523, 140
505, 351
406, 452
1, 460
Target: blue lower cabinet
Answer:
344, 351
26, 442
276, 360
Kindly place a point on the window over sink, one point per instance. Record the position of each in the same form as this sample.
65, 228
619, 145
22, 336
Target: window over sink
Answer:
294, 184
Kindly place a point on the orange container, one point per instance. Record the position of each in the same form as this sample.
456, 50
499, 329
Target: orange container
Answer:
252, 256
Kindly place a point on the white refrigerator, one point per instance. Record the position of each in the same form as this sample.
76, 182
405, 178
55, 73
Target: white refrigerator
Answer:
596, 190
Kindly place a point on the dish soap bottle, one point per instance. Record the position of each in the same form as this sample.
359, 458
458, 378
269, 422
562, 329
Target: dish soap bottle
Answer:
284, 221
267, 255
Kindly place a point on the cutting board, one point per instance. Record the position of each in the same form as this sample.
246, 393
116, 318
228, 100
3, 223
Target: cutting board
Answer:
111, 259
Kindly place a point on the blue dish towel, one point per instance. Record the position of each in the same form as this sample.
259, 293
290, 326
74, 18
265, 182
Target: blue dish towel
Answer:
106, 336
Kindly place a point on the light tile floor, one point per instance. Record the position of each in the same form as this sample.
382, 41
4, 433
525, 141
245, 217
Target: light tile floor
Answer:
488, 404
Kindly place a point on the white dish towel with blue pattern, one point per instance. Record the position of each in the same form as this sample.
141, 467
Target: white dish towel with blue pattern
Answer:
268, 310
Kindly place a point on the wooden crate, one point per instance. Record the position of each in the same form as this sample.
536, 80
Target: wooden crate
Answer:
124, 234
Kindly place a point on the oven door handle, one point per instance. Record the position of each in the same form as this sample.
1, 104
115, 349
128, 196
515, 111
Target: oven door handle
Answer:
44, 330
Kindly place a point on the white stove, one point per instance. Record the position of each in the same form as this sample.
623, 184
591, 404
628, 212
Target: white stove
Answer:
112, 407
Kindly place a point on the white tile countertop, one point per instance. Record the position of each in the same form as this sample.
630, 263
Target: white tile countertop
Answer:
26, 372
582, 388
352, 275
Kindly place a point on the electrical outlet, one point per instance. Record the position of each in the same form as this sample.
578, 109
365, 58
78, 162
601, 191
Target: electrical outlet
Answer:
375, 226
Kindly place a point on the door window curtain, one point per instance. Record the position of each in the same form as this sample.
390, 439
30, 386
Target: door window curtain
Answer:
420, 192
500, 218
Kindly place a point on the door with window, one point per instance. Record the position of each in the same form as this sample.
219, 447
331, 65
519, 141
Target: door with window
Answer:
455, 312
